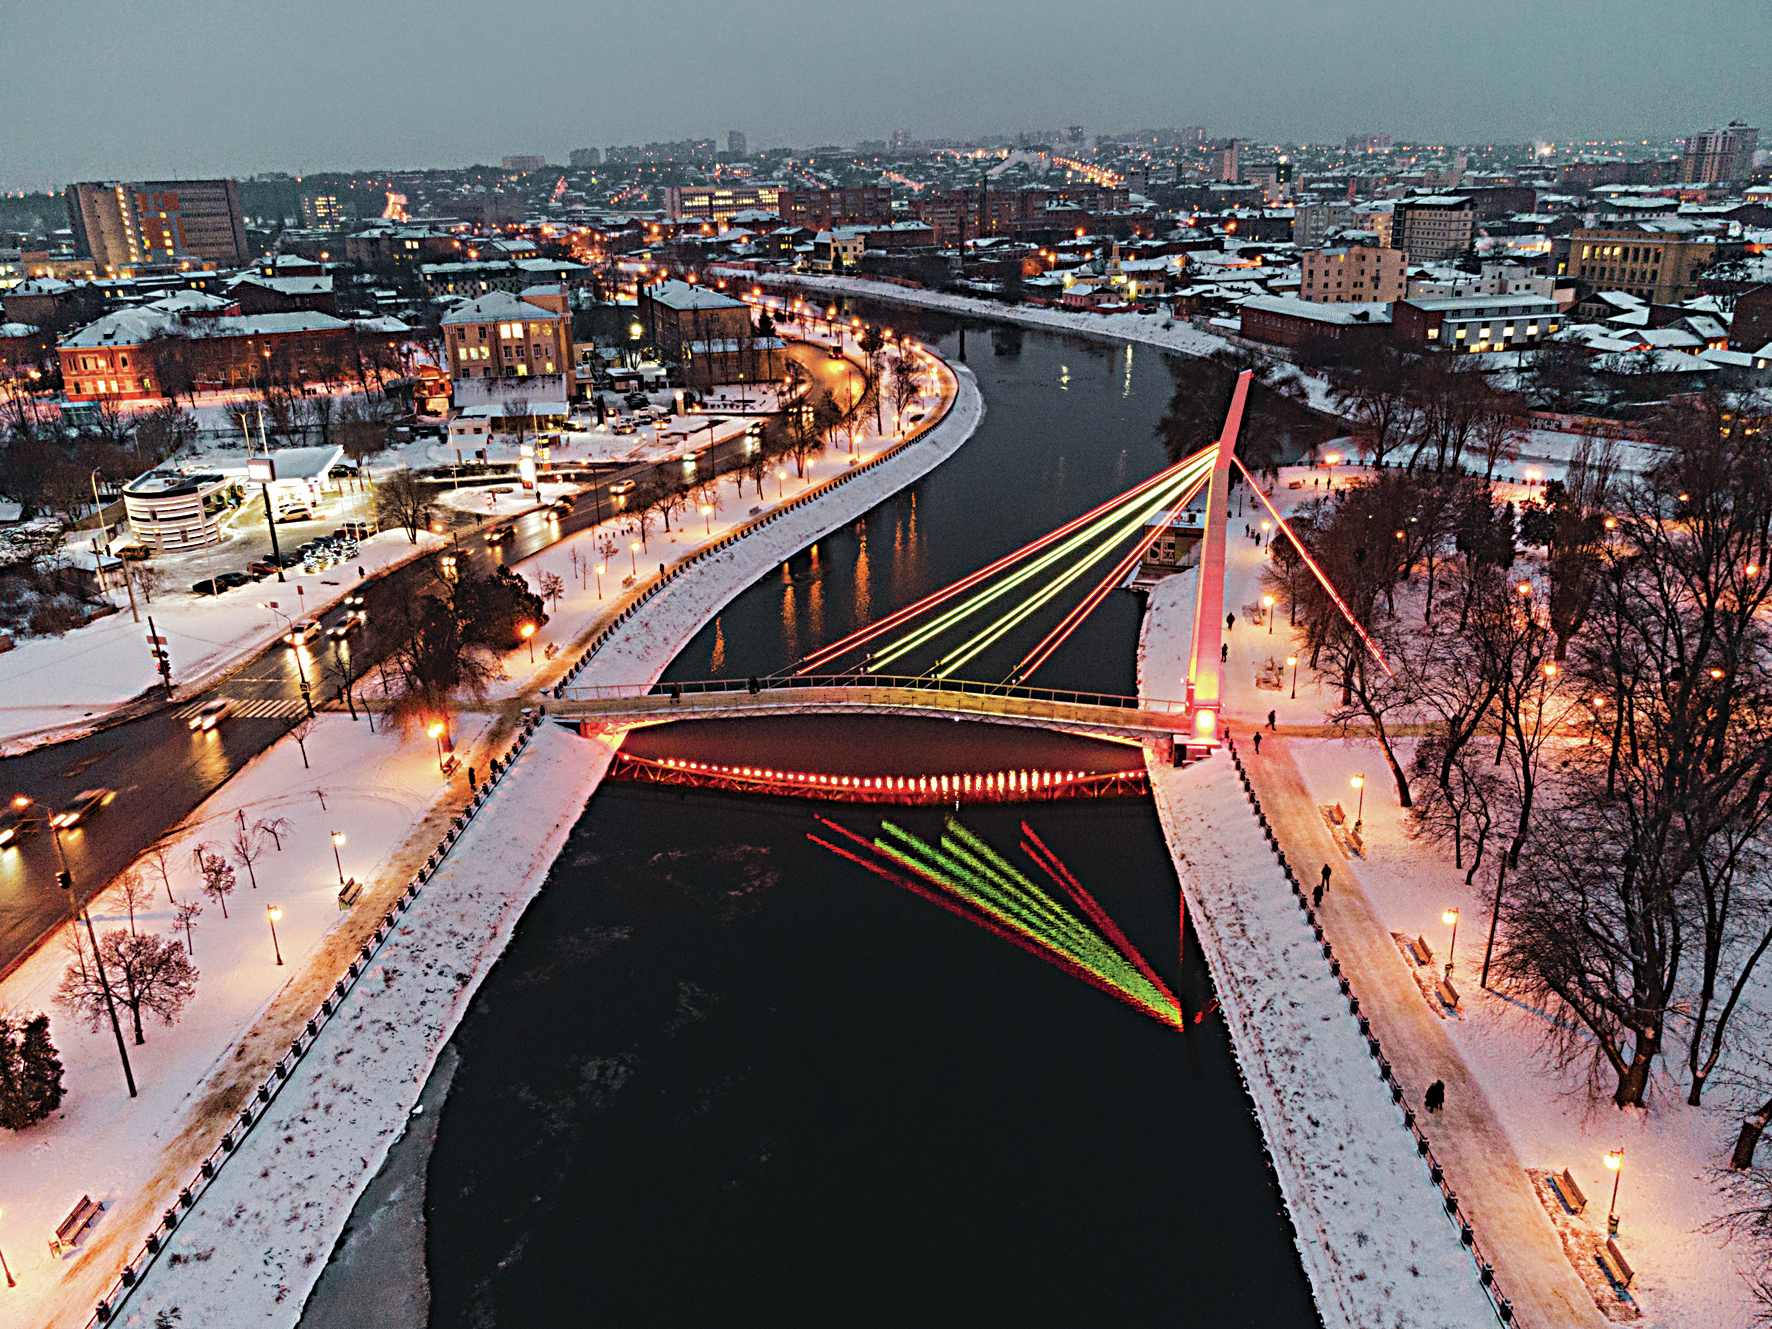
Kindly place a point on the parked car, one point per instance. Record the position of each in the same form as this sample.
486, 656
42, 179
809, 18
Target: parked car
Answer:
353, 530
229, 580
302, 633
81, 806
260, 568
636, 399
212, 714
133, 553
208, 586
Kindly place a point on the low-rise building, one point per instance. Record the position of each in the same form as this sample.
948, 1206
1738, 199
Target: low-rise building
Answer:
1357, 274
1473, 324
1282, 321
500, 335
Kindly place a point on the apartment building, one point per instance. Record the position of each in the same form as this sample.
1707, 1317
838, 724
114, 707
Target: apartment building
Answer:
123, 225
1476, 323
719, 203
1354, 274
823, 209
1658, 261
1431, 226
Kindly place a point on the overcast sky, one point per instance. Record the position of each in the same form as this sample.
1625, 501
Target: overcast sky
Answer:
96, 90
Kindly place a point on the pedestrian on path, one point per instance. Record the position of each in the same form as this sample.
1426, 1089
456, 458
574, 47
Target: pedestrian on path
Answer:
1270, 719
1317, 897
1258, 742
1325, 876
1436, 1096
1224, 652
1230, 621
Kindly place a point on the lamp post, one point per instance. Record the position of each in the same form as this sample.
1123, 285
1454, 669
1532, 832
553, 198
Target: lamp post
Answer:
527, 632
436, 732
1267, 603
634, 555
1359, 782
338, 838
707, 517
1451, 917
66, 879
1615, 1161
781, 479
1293, 661
601, 568
300, 673
10, 1280
1267, 539
273, 913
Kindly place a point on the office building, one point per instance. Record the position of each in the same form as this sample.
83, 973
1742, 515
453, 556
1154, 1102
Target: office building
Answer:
124, 225
1474, 323
586, 158
523, 165
735, 146
718, 203
901, 140
320, 212
1658, 261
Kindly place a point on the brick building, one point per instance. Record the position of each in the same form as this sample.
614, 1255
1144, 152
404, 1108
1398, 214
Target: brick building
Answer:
1281, 321
823, 209
1431, 226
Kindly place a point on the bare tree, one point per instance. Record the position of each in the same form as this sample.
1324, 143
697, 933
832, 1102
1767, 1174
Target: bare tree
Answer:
150, 973
134, 893
276, 828
157, 858
301, 731
551, 587
247, 845
185, 916
902, 386
217, 874
401, 500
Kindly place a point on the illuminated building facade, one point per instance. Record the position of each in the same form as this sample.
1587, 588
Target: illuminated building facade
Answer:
123, 226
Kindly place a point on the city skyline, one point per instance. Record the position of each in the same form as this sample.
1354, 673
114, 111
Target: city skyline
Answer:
380, 100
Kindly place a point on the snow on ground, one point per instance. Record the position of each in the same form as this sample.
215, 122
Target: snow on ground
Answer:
1160, 330
507, 499
1375, 1242
255, 1243
1526, 1113
585, 601
106, 1145
51, 685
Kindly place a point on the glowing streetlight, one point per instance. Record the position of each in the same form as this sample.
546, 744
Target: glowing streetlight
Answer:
1450, 919
1615, 1161
527, 632
781, 479
273, 913
436, 732
1266, 538
1267, 603
601, 569
707, 517
1359, 782
338, 838
1293, 661
634, 555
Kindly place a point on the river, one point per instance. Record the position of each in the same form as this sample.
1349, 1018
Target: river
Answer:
723, 1076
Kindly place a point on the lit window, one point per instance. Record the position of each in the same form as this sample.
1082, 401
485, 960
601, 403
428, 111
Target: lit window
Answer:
1433, 334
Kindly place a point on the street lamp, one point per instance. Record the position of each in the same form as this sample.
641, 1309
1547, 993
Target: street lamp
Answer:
1265, 537
1359, 782
634, 555
273, 913
436, 732
1293, 661
527, 632
338, 838
707, 517
300, 673
1267, 603
601, 569
781, 479
1450, 917
1615, 1161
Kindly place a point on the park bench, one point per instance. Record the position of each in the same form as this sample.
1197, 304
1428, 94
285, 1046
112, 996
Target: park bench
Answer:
1421, 951
78, 1220
1336, 815
1568, 1192
1616, 1266
1448, 993
349, 893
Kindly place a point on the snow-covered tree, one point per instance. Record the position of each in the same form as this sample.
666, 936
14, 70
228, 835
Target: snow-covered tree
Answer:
30, 1072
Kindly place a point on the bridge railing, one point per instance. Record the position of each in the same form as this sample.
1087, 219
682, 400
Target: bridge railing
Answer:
869, 682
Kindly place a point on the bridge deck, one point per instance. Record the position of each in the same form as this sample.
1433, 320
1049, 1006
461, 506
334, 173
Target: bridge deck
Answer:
1081, 713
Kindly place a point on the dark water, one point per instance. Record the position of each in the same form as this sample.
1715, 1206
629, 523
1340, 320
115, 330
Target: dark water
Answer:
723, 1076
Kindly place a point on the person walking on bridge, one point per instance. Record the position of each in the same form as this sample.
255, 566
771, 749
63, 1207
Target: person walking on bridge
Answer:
1325, 876
1230, 621
1270, 720
1435, 1098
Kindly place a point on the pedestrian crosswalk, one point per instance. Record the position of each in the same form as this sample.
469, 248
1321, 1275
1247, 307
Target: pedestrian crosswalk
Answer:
253, 708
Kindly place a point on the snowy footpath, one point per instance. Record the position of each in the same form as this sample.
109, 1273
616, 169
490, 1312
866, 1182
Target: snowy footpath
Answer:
254, 1243
1371, 1230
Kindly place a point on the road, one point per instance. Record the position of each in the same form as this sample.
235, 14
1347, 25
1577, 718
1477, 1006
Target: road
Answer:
160, 770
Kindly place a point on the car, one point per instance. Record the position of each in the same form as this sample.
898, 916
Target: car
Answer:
354, 601
229, 580
560, 507
636, 399
133, 553
300, 634
17, 821
260, 568
621, 487
347, 625
208, 586
499, 534
353, 530
212, 714
81, 806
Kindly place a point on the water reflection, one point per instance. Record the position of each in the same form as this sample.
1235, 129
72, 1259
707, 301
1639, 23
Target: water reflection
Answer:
717, 663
